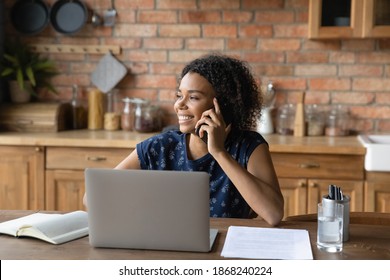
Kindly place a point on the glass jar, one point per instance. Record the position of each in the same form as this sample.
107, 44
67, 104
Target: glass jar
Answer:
147, 117
79, 112
285, 119
143, 116
315, 122
337, 121
127, 116
111, 115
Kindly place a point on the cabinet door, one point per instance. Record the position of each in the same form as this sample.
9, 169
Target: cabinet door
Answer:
64, 190
318, 188
325, 15
376, 18
295, 196
377, 196
21, 178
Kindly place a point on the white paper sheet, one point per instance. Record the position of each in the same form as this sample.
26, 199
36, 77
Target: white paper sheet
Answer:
267, 243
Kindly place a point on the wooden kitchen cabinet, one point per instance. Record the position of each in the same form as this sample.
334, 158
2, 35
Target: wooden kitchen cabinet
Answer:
377, 192
65, 173
22, 177
304, 179
367, 19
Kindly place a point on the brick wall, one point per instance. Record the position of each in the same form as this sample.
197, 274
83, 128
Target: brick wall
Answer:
158, 37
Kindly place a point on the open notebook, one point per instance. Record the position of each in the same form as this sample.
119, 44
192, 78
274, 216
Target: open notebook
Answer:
144, 209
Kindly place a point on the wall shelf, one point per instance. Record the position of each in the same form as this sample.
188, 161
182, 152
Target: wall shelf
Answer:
85, 49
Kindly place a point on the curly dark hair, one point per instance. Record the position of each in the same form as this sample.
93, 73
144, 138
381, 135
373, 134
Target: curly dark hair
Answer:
235, 87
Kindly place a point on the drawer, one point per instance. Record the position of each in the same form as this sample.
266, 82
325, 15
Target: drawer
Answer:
319, 166
81, 158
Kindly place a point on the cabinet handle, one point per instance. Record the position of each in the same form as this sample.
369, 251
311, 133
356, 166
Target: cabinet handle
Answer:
309, 165
38, 149
97, 158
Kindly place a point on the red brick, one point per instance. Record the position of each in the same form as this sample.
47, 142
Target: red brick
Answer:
134, 4
315, 70
261, 4
147, 56
263, 57
307, 57
170, 30
273, 70
254, 30
163, 43
364, 45
274, 17
329, 84
185, 56
371, 84
317, 97
383, 97
371, 112
353, 98
219, 4
373, 57
166, 68
360, 70
176, 4
237, 16
383, 126
284, 83
137, 68
157, 17
342, 57
290, 31
241, 44
220, 30
279, 44
136, 30
200, 17
321, 45
205, 44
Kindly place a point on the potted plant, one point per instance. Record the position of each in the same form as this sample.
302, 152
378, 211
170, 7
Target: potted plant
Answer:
26, 71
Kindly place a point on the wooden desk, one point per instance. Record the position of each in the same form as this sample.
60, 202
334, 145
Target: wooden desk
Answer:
366, 242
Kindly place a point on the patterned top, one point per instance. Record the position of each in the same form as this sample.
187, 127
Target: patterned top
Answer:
168, 151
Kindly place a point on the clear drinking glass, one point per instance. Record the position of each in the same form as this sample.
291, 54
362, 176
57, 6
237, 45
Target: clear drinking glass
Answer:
330, 227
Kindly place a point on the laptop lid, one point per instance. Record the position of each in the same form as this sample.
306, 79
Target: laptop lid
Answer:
145, 209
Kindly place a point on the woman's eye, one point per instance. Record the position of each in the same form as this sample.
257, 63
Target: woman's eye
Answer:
194, 98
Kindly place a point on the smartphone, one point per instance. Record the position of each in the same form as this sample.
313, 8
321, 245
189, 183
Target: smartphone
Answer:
225, 109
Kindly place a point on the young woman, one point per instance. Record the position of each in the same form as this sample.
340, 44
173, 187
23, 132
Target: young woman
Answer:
218, 98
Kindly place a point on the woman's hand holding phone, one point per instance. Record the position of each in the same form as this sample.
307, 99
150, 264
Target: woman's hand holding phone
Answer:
212, 128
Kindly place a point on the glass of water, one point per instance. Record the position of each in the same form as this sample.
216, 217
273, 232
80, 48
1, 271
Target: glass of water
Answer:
330, 227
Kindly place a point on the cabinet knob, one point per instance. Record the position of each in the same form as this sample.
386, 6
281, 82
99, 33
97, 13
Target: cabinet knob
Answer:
96, 158
38, 149
309, 165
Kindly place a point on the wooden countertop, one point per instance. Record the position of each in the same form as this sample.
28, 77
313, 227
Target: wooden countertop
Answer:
122, 139
366, 242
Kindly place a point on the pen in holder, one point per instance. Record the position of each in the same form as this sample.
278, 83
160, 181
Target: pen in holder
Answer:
344, 200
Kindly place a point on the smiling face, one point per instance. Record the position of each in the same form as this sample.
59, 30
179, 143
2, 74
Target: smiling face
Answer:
194, 96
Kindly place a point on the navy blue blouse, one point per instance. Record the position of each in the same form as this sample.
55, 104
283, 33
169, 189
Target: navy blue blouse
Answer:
168, 151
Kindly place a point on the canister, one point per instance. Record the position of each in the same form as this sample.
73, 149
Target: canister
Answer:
95, 109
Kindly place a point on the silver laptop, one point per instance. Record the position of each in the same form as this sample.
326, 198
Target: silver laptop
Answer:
144, 209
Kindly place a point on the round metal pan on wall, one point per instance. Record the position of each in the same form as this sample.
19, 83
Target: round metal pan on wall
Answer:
30, 16
68, 16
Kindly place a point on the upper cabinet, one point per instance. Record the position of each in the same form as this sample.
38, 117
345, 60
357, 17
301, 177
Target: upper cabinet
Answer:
349, 19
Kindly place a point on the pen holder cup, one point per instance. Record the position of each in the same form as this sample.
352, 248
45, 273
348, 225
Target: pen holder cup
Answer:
346, 201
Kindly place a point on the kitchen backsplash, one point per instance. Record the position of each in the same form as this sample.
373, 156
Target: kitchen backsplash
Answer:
157, 37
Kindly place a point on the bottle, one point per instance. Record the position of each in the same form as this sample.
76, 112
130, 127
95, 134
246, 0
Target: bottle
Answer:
79, 113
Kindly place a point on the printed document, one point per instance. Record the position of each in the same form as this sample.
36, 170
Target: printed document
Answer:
267, 243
